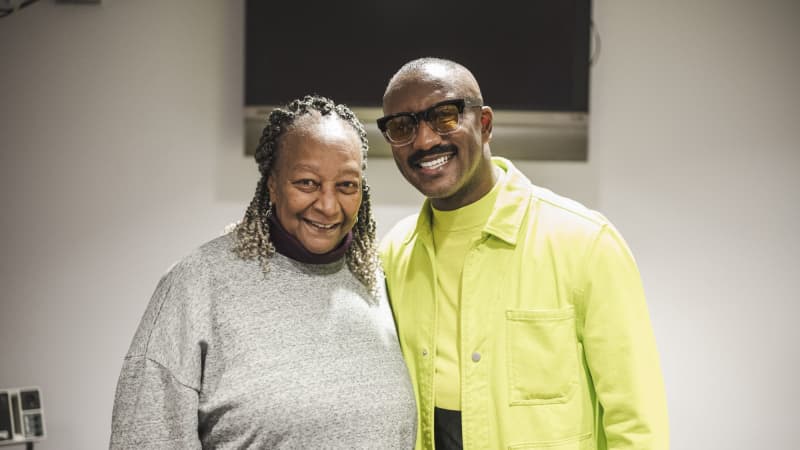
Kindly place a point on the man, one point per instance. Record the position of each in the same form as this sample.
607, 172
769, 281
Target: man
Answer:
521, 313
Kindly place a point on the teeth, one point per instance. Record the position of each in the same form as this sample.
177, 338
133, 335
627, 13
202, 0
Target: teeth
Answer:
436, 163
322, 225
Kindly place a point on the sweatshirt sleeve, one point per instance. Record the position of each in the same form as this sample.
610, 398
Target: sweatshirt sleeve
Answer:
621, 350
152, 409
157, 396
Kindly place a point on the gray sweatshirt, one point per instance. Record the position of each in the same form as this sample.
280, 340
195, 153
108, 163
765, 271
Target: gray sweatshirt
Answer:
226, 357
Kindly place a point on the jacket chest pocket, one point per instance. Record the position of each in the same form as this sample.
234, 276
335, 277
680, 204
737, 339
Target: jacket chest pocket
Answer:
542, 356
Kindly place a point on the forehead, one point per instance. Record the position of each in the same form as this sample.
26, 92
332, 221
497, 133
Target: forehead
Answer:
419, 90
320, 140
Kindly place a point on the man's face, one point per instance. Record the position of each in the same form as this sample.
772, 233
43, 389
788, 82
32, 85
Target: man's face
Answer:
451, 169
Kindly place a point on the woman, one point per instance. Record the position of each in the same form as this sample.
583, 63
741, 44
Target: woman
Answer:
277, 334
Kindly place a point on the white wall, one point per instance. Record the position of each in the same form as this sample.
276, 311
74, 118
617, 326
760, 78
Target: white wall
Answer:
120, 150
696, 143
116, 122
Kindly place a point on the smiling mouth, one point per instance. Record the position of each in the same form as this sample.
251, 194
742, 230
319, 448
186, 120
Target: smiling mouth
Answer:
321, 226
433, 158
435, 163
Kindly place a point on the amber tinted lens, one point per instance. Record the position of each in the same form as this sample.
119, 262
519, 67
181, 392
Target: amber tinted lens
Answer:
401, 128
444, 118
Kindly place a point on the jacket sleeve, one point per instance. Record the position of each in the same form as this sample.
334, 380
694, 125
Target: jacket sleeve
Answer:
620, 348
157, 397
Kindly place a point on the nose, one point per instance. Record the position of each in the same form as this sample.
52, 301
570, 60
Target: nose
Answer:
326, 201
426, 137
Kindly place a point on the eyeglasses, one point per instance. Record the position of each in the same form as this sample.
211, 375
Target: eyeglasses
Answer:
443, 117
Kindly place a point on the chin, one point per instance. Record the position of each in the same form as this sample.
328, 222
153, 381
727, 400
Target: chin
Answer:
433, 192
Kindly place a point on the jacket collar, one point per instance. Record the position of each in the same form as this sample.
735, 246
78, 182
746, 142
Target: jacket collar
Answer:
507, 214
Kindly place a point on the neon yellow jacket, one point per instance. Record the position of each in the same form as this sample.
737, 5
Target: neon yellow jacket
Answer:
557, 347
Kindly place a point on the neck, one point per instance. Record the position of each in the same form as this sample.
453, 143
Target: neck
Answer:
481, 185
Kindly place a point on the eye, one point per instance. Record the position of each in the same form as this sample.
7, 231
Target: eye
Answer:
445, 117
400, 125
349, 187
306, 185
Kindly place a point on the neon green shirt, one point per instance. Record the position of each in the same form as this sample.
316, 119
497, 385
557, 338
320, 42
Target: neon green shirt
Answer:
454, 233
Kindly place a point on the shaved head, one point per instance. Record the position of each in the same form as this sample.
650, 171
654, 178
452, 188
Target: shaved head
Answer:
441, 73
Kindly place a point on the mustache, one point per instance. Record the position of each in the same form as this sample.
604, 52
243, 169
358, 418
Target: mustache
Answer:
417, 156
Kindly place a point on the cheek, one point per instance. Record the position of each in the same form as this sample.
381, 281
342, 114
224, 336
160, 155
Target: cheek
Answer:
290, 205
351, 207
400, 156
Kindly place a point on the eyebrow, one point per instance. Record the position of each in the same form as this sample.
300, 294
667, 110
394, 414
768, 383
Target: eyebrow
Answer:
301, 166
439, 103
314, 168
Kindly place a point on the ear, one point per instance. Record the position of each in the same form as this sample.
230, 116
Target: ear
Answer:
487, 121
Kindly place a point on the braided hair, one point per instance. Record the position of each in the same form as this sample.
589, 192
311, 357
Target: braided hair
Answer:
252, 240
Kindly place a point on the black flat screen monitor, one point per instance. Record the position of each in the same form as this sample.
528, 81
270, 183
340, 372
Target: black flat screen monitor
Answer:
529, 57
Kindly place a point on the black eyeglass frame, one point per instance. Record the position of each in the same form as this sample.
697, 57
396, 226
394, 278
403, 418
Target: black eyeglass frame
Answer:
460, 103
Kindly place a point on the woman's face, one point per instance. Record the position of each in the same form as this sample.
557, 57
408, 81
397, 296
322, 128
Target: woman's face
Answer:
315, 185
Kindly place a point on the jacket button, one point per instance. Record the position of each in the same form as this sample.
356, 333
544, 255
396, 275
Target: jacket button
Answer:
476, 356
424, 352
